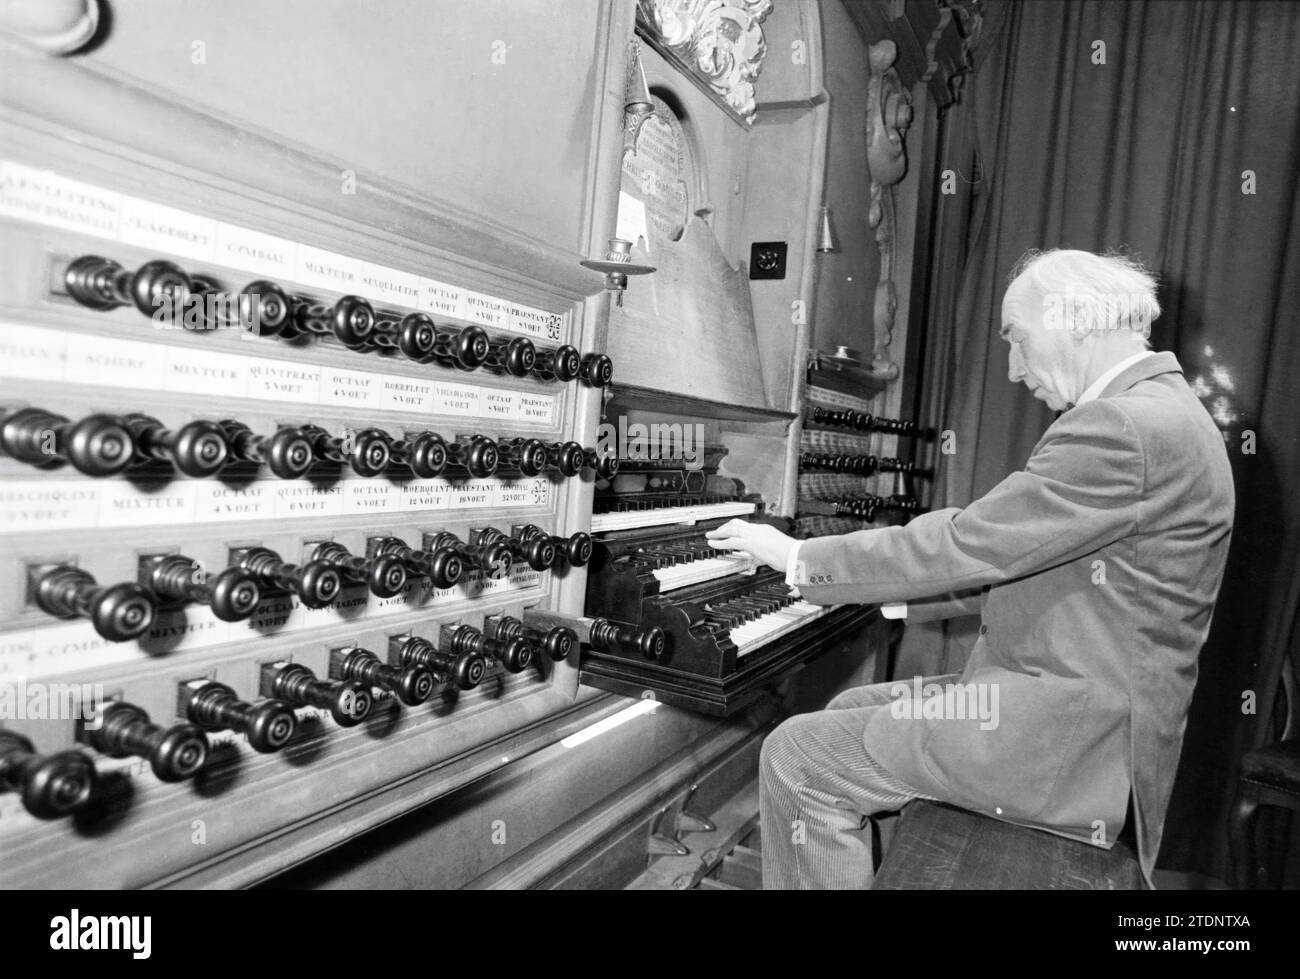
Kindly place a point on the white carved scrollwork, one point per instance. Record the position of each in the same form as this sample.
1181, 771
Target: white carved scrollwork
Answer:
721, 40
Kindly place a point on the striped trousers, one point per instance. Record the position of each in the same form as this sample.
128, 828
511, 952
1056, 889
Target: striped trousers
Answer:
817, 786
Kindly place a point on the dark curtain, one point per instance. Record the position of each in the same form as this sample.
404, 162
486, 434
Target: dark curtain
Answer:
1145, 153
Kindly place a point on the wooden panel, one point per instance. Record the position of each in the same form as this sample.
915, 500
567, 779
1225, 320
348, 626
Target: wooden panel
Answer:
486, 103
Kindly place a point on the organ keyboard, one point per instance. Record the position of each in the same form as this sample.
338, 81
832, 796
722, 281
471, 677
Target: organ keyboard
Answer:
731, 626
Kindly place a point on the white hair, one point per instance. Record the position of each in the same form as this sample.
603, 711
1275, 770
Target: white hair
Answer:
1090, 294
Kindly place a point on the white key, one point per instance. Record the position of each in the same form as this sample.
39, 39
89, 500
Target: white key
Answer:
704, 569
752, 635
665, 516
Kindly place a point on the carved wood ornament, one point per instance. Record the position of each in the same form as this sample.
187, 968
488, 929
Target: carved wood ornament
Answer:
718, 42
889, 113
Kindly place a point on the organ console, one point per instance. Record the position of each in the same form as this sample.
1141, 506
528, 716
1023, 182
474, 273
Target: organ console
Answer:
333, 504
728, 626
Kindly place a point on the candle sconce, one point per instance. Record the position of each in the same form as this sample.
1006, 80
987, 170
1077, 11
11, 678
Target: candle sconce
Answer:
617, 266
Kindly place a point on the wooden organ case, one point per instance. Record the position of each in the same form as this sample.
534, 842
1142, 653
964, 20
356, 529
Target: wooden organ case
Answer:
309, 522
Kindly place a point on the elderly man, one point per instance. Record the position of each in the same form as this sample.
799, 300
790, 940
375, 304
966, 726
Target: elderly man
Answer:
1095, 571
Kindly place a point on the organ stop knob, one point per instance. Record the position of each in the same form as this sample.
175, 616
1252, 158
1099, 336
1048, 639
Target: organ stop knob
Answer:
174, 753
118, 612
268, 724
316, 582
51, 785
412, 685
516, 655
348, 702
465, 668
98, 445
233, 594
441, 565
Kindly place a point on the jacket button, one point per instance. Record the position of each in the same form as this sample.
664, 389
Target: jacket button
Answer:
984, 630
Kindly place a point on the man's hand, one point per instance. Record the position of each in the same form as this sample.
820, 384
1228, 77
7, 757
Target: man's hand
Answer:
763, 541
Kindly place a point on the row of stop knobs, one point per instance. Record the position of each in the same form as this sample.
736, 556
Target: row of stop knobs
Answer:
867, 505
105, 444
859, 465
163, 291
863, 422
127, 610
63, 783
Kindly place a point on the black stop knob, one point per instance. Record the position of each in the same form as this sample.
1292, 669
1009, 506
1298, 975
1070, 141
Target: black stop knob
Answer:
619, 637
426, 454
353, 322
479, 456
98, 445
563, 363
92, 281
538, 553
515, 357
526, 455
51, 785
417, 336
412, 685
348, 702
287, 453
268, 724
384, 574
578, 548
174, 753
368, 452
161, 288
491, 557
118, 612
557, 642
465, 669
566, 457
197, 449
316, 583
604, 464
371, 452
597, 370
515, 654
265, 310
531, 532
233, 594
441, 565
467, 348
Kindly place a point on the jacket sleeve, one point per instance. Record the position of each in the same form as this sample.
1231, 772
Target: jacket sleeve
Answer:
948, 606
1081, 490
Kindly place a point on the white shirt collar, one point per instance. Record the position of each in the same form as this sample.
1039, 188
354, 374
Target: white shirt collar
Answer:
1094, 389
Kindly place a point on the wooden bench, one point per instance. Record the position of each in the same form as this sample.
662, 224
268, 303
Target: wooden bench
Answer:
941, 847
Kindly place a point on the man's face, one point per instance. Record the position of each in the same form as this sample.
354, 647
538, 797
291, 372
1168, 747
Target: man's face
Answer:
1039, 357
